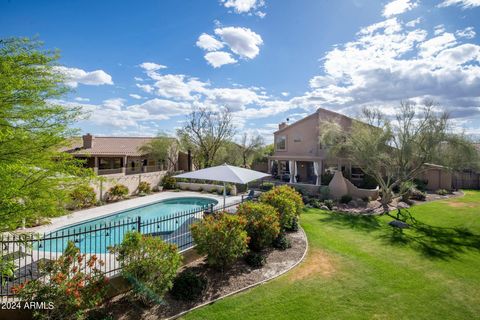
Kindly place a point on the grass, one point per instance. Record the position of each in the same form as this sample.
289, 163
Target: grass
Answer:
361, 268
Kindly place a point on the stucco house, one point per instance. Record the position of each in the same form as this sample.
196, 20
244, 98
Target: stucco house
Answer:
117, 155
300, 158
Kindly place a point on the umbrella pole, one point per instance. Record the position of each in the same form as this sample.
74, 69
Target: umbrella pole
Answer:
224, 194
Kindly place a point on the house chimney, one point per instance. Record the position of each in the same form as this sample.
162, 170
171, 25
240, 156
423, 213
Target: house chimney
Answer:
282, 125
88, 141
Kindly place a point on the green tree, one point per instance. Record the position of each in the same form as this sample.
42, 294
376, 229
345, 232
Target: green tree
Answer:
204, 133
395, 151
35, 176
163, 148
249, 147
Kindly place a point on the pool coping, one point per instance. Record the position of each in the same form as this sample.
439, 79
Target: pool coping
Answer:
85, 215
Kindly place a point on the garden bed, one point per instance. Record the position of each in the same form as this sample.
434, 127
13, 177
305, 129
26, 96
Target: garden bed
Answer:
237, 278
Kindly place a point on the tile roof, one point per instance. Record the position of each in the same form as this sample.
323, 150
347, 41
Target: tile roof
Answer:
114, 146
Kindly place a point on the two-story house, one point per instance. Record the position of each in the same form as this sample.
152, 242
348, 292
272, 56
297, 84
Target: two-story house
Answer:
300, 158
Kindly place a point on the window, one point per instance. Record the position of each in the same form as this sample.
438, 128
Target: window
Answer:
281, 142
297, 139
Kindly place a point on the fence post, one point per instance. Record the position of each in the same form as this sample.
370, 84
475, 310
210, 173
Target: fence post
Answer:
101, 191
242, 198
139, 223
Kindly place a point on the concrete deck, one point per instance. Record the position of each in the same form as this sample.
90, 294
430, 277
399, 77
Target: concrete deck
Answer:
116, 207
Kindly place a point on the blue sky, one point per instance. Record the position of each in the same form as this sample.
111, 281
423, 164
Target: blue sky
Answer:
138, 67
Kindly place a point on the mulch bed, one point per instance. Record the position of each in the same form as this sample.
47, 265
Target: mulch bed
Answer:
238, 277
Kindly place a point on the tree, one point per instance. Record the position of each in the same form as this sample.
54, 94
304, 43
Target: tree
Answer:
394, 151
205, 132
35, 176
163, 148
249, 146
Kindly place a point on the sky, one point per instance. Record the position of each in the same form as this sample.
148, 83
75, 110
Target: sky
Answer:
139, 67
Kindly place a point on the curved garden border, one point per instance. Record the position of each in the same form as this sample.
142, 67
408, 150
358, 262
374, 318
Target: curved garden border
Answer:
251, 285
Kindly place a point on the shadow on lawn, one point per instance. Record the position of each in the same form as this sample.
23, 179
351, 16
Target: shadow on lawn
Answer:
431, 241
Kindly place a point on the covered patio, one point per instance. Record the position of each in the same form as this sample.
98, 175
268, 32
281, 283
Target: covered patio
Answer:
309, 170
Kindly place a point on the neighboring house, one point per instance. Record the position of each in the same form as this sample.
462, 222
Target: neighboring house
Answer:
114, 155
300, 158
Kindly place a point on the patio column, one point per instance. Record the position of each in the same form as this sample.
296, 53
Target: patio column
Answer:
316, 170
293, 170
95, 166
124, 167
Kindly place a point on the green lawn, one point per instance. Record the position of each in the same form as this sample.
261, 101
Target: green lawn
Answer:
361, 268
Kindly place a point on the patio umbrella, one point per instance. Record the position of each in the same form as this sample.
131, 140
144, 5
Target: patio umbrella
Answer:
225, 173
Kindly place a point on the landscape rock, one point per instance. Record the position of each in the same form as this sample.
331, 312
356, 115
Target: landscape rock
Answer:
399, 224
324, 207
402, 205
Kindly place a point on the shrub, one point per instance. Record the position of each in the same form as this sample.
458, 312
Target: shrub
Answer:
442, 192
282, 242
329, 203
83, 196
255, 259
149, 264
421, 184
287, 201
294, 227
326, 178
315, 203
285, 206
144, 187
324, 192
220, 191
263, 224
346, 198
222, 238
266, 186
76, 285
117, 192
229, 189
418, 195
169, 182
188, 286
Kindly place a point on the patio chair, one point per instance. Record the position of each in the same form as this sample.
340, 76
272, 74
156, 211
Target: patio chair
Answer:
250, 194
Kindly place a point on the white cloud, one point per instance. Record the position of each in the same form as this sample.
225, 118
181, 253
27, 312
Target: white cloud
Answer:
138, 79
285, 94
413, 23
388, 63
145, 87
176, 86
75, 76
243, 6
437, 44
234, 99
397, 7
467, 33
219, 58
465, 4
151, 66
80, 99
114, 103
439, 29
208, 43
241, 41
135, 96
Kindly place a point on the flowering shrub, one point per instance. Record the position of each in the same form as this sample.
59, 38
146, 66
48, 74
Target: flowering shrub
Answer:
169, 182
144, 187
223, 239
75, 285
287, 201
117, 192
83, 196
149, 264
263, 224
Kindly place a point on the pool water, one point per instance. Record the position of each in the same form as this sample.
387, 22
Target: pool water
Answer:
166, 218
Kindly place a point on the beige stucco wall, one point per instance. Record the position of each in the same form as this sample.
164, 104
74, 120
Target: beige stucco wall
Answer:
203, 186
339, 186
130, 181
437, 178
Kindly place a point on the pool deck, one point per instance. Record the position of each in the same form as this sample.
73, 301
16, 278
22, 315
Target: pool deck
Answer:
111, 208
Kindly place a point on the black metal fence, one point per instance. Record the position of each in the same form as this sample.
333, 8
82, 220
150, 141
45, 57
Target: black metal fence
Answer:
22, 254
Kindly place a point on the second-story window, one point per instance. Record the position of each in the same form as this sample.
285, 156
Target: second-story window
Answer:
281, 142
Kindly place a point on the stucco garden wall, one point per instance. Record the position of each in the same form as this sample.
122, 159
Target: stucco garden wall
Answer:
339, 186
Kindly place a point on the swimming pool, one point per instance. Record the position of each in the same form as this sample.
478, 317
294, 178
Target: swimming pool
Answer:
167, 218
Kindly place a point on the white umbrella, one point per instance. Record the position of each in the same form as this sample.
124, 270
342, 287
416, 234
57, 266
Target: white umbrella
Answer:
225, 173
